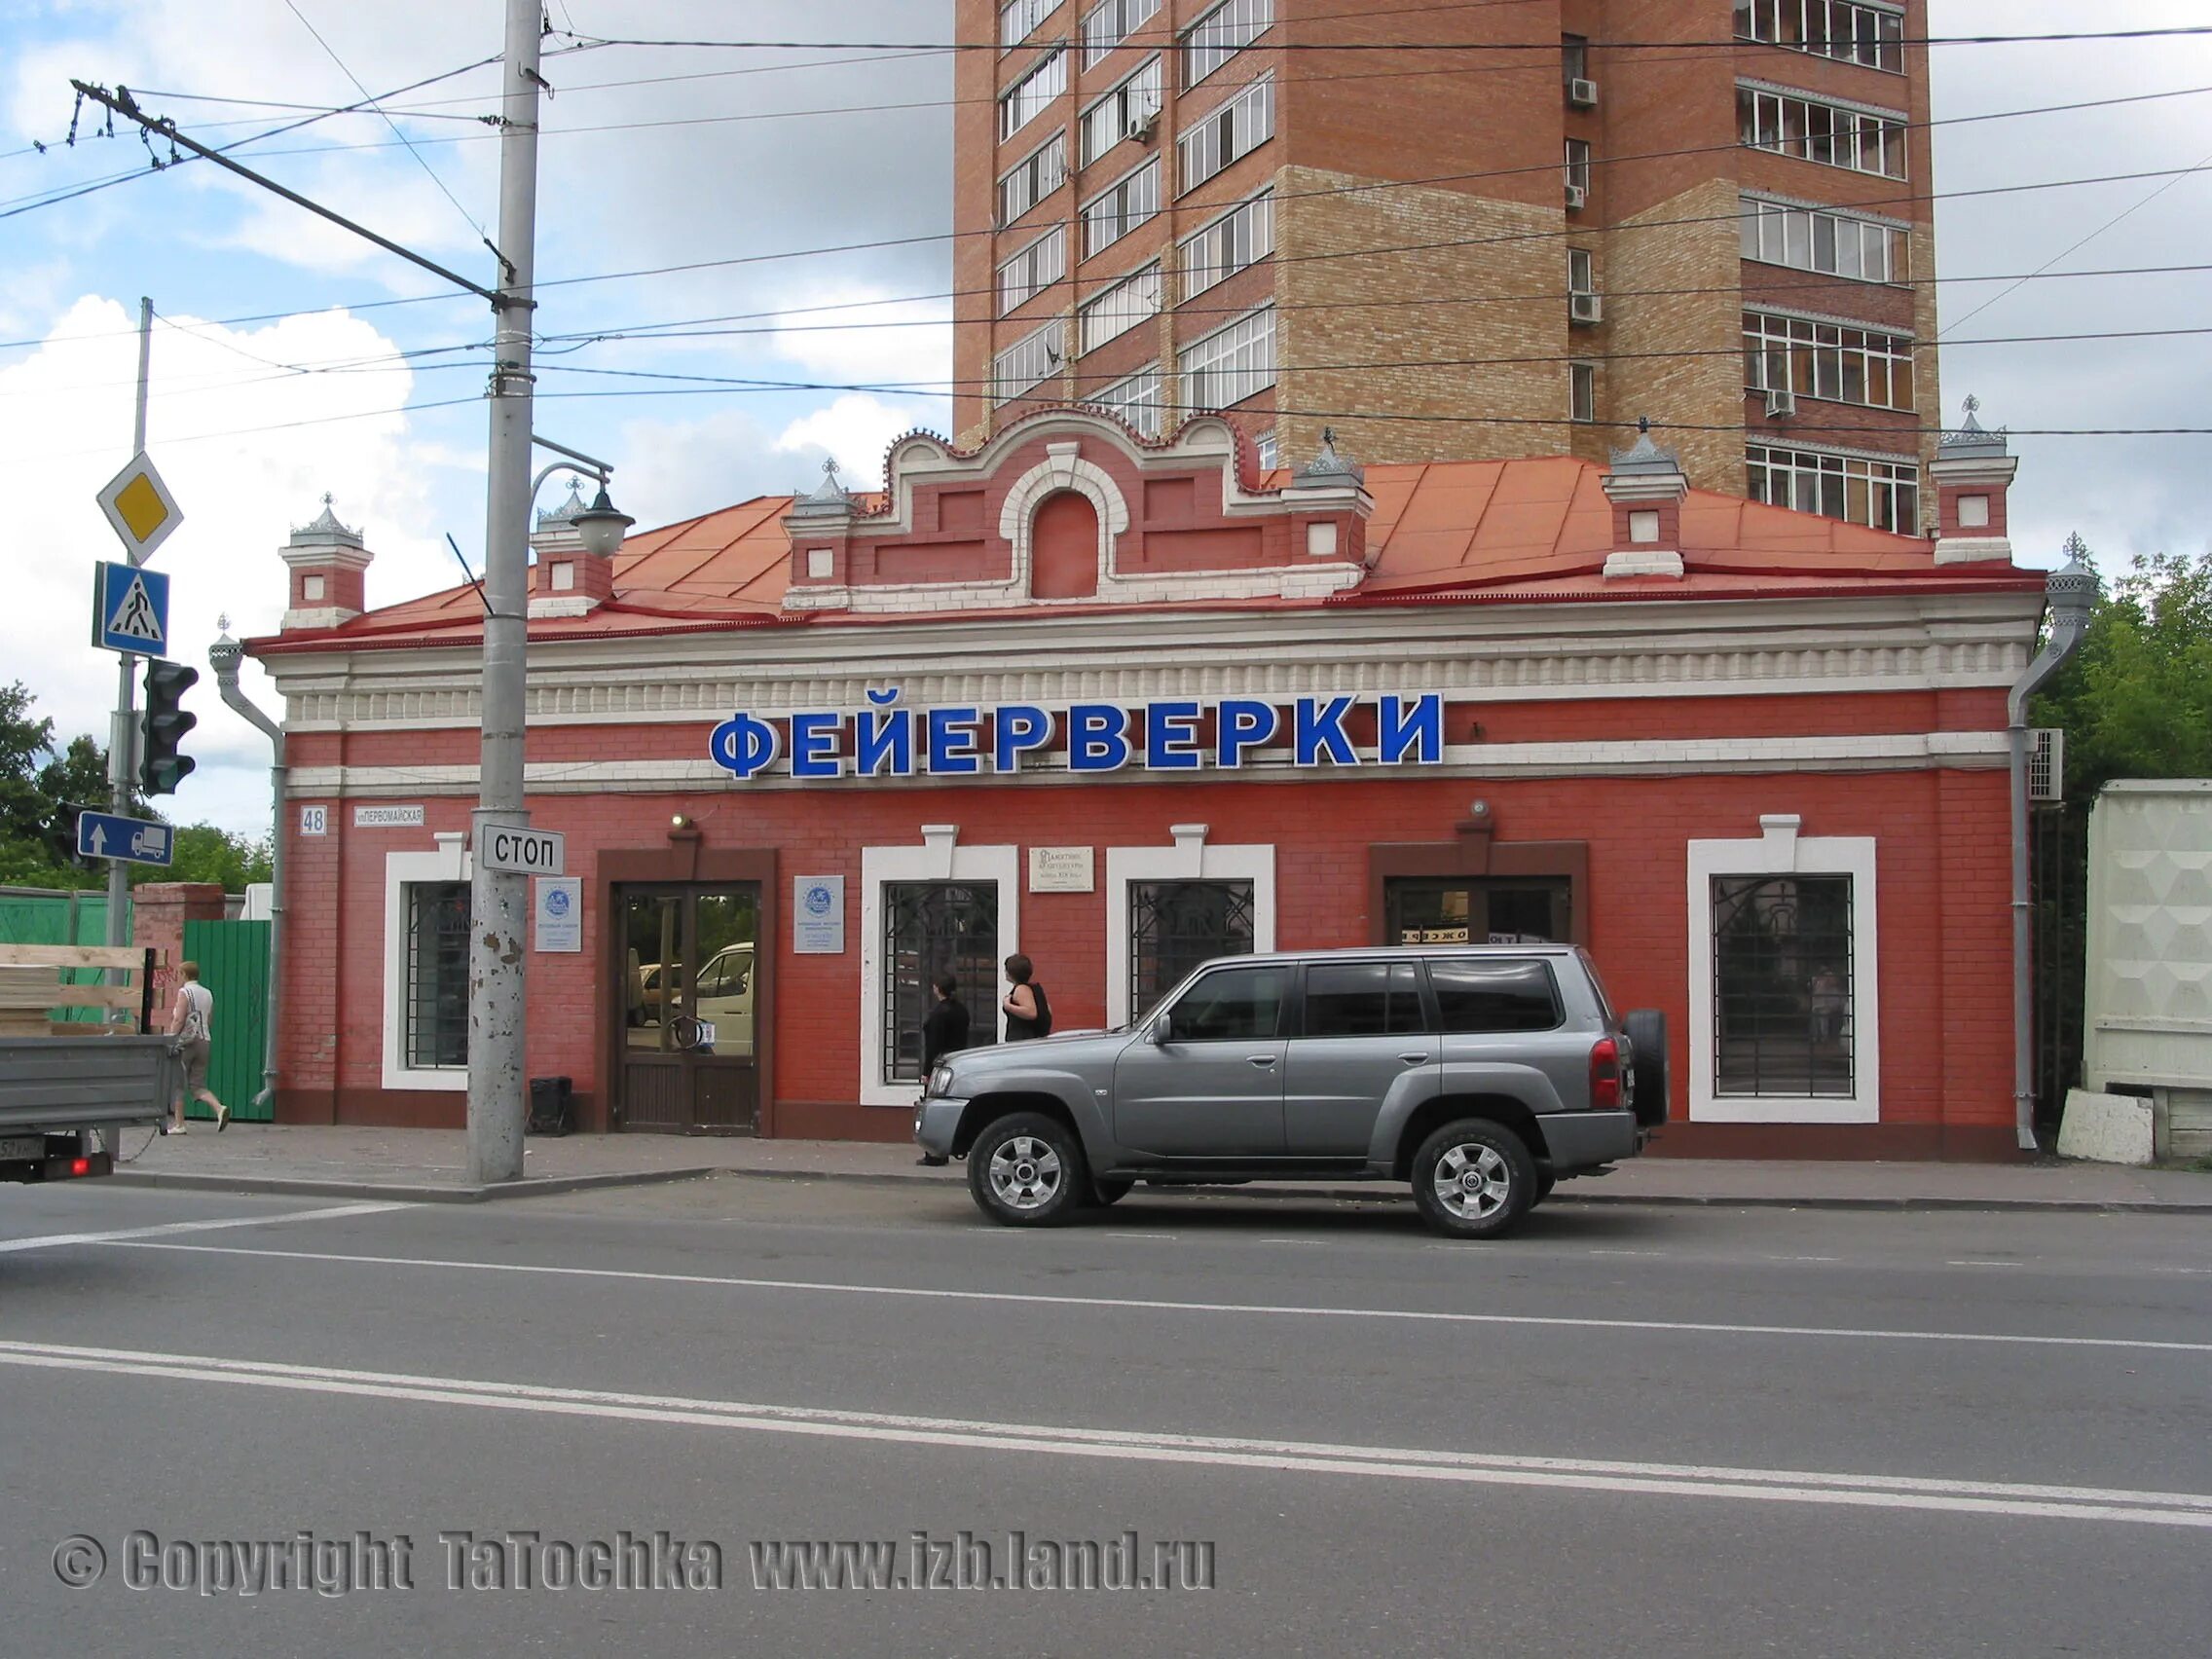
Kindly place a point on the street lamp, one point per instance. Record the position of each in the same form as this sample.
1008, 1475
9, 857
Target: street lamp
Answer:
601, 525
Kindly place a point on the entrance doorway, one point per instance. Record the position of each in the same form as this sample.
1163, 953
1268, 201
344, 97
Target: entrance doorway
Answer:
690, 992
1477, 909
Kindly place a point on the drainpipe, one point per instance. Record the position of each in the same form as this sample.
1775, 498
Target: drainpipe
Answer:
2067, 596
225, 654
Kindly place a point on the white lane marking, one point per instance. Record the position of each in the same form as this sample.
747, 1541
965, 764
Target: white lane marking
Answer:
123, 1235
1802, 1258
1291, 1242
1169, 1236
1985, 1264
1789, 1486
1150, 1305
1658, 1253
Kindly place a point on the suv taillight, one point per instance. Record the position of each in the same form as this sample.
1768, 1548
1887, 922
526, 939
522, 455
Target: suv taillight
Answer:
1606, 1076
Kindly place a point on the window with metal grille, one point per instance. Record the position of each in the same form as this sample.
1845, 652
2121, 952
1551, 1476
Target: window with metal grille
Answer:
1109, 121
1226, 134
1027, 97
1847, 29
1231, 364
1041, 174
435, 1009
1826, 359
1884, 495
1033, 269
1176, 925
931, 928
1835, 135
1120, 307
1783, 979
1107, 25
1136, 400
1221, 34
1833, 243
1242, 237
1116, 212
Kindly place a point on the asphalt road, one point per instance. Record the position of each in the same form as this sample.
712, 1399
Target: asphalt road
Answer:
1626, 1431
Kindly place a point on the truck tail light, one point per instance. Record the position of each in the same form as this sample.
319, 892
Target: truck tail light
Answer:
80, 1167
1605, 1075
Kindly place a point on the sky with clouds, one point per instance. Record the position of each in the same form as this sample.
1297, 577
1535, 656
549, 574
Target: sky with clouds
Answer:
368, 384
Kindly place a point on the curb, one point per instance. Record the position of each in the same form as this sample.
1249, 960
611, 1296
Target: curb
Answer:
532, 1187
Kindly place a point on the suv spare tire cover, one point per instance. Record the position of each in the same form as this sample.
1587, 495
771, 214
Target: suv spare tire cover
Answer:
1646, 1032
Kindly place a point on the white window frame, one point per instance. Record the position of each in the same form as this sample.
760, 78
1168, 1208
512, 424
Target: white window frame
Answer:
940, 857
1576, 165
1250, 120
1110, 24
1018, 21
1829, 133
1191, 370
1268, 448
1578, 376
1850, 466
1190, 858
1772, 230
1043, 262
1118, 308
1790, 341
1581, 272
1003, 390
401, 871
1018, 98
1872, 36
1035, 185
1122, 219
1136, 398
1106, 121
1250, 223
1216, 38
1781, 851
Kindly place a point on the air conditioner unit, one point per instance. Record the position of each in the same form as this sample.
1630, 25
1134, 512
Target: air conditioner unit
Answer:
1143, 124
1582, 94
1779, 401
2047, 763
1577, 198
1585, 308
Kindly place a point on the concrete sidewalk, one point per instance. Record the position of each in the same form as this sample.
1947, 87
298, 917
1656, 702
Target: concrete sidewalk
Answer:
429, 1165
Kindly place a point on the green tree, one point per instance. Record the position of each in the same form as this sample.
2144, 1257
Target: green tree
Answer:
201, 852
2135, 700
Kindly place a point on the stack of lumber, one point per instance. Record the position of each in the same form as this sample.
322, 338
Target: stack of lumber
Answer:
32, 991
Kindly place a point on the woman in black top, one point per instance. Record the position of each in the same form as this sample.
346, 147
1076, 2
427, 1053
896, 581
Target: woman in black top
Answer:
1028, 1011
945, 1031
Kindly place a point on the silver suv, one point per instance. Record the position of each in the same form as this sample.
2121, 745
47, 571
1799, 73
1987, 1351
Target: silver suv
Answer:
1481, 1074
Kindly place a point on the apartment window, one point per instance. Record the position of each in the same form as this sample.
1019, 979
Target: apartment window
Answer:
1036, 178
1033, 269
1120, 307
1231, 364
1136, 400
1109, 121
1582, 392
1833, 135
1027, 97
1021, 365
1110, 22
1573, 57
1581, 272
1578, 172
1114, 214
436, 1006
1228, 134
1221, 34
1833, 243
1241, 237
1827, 361
1857, 489
1269, 449
1017, 17
1854, 32
1782, 985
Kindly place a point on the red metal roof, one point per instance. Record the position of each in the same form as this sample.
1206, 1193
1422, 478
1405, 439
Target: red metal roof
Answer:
1461, 531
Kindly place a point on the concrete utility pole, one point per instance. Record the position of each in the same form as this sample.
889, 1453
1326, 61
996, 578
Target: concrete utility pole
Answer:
123, 741
500, 912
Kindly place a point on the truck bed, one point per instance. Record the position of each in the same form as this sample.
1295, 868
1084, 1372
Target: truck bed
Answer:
55, 1083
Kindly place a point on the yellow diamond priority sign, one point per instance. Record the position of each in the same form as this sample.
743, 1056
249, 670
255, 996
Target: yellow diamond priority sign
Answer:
140, 507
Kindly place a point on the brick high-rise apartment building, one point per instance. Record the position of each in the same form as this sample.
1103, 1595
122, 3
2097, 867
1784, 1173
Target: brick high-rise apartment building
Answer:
1489, 229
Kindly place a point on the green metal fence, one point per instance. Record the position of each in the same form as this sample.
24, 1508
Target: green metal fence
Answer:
38, 915
234, 966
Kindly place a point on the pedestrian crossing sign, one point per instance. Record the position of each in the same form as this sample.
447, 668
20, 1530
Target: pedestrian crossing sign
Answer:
140, 507
130, 610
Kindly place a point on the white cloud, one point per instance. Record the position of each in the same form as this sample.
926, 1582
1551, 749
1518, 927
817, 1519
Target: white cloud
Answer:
870, 336
856, 431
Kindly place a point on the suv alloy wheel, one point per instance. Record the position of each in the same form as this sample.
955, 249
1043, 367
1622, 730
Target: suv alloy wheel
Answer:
1474, 1179
1027, 1170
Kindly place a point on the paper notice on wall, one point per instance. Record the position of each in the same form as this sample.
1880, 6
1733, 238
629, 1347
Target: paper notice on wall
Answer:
818, 915
556, 912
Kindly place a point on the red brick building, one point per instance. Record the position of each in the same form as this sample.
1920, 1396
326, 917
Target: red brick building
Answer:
1123, 703
1464, 231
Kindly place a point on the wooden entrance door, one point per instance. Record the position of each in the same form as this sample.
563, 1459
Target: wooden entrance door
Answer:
689, 991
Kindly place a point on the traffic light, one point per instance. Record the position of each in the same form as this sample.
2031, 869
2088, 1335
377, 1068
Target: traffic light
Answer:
162, 727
